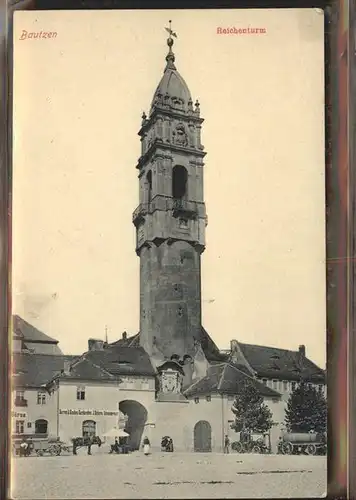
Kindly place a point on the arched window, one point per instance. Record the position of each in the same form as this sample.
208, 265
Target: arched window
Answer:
89, 428
179, 182
149, 186
41, 426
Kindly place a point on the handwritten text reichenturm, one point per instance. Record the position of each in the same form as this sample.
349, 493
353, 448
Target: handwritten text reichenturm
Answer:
28, 35
240, 31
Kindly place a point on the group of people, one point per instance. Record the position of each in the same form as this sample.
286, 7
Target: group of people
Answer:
26, 447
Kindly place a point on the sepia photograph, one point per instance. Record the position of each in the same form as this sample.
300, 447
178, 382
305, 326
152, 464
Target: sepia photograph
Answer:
168, 254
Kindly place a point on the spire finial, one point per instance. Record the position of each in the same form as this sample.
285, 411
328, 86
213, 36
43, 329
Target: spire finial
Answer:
170, 56
106, 334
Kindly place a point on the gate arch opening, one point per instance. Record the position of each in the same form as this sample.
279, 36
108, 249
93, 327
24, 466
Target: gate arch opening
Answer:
202, 436
136, 415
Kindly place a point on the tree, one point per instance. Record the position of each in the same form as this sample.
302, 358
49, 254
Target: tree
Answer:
306, 410
252, 415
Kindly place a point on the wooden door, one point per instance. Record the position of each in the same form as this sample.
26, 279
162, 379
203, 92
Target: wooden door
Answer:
202, 436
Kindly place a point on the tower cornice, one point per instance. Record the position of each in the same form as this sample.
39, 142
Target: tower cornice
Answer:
170, 113
159, 144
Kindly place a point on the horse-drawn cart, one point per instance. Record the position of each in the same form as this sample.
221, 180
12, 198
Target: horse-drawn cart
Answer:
296, 443
32, 445
252, 443
53, 448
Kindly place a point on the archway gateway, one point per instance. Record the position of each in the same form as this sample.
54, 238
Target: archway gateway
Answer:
202, 436
136, 415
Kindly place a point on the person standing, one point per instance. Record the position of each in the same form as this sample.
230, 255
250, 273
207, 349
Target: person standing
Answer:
23, 448
90, 442
146, 446
75, 446
226, 444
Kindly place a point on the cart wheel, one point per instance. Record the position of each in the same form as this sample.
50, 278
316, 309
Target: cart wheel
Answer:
256, 449
239, 447
310, 449
287, 448
39, 453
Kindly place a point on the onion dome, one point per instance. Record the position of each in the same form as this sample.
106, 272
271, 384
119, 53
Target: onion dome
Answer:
172, 91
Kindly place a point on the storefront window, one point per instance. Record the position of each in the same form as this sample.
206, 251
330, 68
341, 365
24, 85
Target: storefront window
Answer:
89, 428
41, 426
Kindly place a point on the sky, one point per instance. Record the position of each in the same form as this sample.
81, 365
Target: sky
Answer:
78, 101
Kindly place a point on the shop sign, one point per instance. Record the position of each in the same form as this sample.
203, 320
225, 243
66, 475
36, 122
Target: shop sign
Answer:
18, 414
89, 413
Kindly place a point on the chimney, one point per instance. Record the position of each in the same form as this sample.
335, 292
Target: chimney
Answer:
95, 345
233, 345
302, 350
66, 367
124, 335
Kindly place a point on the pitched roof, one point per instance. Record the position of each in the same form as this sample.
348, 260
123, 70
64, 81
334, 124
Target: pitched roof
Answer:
36, 370
226, 378
209, 347
29, 333
281, 363
85, 369
118, 360
133, 341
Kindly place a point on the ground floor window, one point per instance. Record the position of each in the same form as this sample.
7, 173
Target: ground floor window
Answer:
19, 426
89, 428
41, 426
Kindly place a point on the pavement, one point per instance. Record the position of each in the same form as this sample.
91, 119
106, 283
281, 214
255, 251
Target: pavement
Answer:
168, 475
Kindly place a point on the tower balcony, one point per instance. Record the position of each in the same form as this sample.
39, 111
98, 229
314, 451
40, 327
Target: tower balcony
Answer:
139, 213
183, 208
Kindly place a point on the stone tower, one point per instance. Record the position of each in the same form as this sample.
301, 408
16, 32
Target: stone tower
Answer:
170, 220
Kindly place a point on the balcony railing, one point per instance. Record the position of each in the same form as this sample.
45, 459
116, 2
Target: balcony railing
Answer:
139, 213
179, 207
183, 207
20, 402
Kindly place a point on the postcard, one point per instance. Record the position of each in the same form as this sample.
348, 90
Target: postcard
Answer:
168, 259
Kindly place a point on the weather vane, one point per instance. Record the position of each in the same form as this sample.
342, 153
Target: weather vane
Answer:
170, 31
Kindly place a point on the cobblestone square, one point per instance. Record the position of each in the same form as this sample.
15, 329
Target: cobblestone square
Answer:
168, 475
